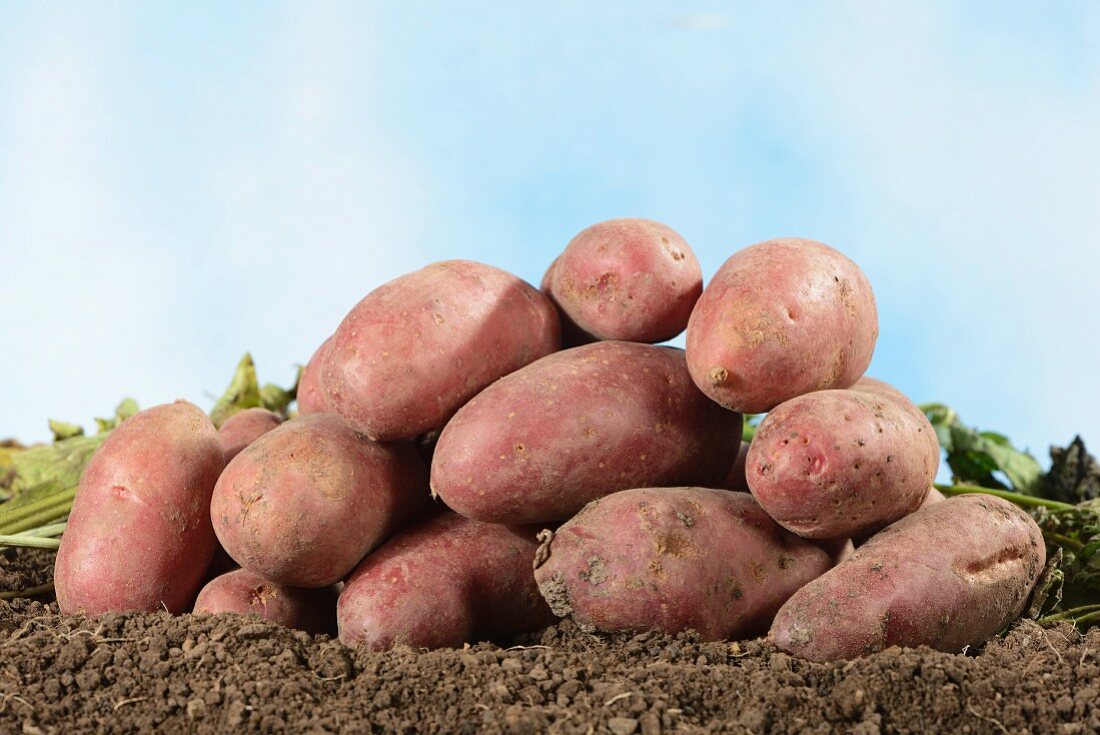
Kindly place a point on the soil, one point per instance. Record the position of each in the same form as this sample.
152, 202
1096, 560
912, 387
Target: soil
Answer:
211, 674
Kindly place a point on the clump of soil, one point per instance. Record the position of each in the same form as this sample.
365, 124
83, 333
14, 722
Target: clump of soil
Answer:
212, 674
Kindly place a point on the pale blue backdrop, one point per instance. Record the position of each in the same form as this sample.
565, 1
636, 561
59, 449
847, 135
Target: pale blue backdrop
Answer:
180, 182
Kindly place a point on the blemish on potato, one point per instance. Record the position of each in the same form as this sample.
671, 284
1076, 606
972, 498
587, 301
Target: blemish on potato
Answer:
595, 573
718, 375
758, 572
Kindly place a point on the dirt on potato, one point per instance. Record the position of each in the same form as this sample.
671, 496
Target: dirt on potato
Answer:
140, 672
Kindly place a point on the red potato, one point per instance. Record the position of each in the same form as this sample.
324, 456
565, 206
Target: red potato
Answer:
304, 503
247, 593
245, 427
626, 279
842, 463
781, 318
311, 398
675, 558
442, 583
947, 576
540, 443
417, 348
139, 535
571, 334
934, 496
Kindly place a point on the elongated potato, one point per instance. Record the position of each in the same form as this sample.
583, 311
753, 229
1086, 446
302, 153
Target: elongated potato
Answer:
245, 427
626, 279
139, 534
842, 463
675, 558
442, 583
304, 503
781, 318
540, 443
311, 399
417, 348
948, 576
247, 593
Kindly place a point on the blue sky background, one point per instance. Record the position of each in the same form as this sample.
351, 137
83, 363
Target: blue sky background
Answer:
183, 182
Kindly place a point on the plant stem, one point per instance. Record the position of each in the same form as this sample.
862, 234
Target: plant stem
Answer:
62, 500
43, 517
1027, 501
39, 589
30, 541
55, 529
1069, 614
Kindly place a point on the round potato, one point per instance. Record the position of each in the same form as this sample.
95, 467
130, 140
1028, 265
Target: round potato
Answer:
139, 535
417, 348
245, 427
674, 558
311, 399
781, 318
304, 503
842, 463
540, 443
626, 279
247, 593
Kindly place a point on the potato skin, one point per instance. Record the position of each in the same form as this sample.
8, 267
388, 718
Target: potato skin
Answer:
444, 582
842, 463
675, 558
626, 279
304, 503
245, 427
781, 318
247, 593
736, 480
311, 399
948, 576
417, 348
139, 534
582, 423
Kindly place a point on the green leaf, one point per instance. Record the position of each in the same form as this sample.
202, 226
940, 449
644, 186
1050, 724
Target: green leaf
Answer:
243, 392
62, 430
277, 399
127, 408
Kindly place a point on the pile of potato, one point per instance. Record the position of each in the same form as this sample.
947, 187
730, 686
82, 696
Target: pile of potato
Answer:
473, 457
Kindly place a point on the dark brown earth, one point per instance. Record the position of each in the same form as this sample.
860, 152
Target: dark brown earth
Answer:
140, 672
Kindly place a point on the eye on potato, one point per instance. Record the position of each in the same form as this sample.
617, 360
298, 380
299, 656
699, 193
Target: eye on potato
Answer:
948, 576
415, 349
672, 559
442, 583
305, 502
842, 463
626, 279
540, 443
781, 318
139, 534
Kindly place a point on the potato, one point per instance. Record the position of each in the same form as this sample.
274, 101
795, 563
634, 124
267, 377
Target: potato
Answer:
948, 576
842, 463
417, 348
245, 427
139, 535
540, 443
934, 496
442, 583
674, 558
626, 279
571, 334
781, 318
311, 399
247, 593
304, 503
